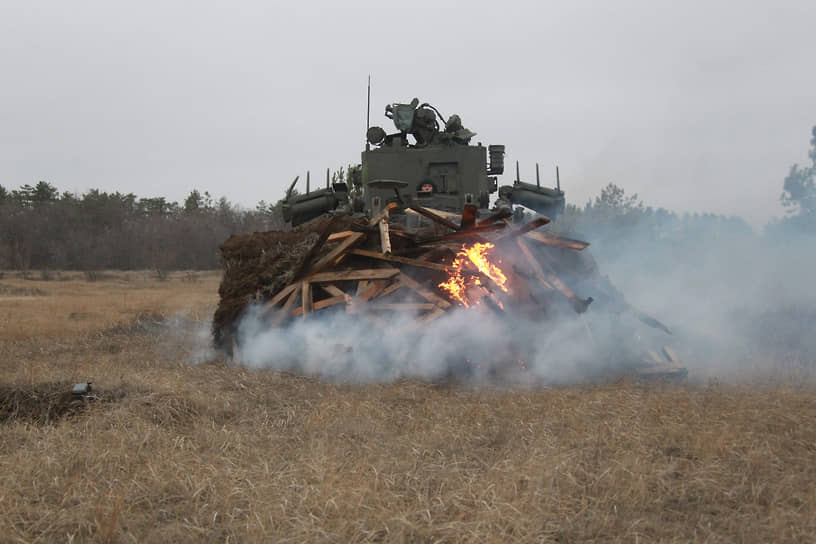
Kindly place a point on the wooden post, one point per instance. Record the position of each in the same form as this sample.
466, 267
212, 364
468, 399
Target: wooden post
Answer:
306, 294
385, 238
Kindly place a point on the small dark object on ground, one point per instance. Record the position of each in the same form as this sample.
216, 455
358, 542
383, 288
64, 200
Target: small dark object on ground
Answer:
81, 389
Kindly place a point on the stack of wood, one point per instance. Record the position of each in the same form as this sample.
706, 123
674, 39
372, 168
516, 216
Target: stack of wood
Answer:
379, 266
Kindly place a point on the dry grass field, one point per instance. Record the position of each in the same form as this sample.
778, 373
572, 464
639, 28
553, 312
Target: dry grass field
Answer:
170, 451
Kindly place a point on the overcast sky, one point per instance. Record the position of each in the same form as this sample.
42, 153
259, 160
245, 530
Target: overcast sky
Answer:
694, 105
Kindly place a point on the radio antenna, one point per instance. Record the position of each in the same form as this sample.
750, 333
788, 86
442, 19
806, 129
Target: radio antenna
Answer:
368, 112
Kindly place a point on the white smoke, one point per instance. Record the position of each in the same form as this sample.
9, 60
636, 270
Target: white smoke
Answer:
740, 306
476, 344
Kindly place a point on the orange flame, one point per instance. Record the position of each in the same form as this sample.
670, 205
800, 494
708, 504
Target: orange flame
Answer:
458, 284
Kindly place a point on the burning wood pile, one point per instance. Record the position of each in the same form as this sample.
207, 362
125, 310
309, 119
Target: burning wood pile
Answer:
381, 267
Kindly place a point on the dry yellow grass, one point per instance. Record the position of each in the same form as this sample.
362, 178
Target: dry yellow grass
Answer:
179, 452
67, 304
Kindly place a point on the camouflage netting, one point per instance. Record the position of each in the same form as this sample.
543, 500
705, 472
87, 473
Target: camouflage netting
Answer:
258, 265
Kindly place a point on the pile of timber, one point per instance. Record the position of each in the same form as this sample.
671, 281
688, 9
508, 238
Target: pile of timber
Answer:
379, 267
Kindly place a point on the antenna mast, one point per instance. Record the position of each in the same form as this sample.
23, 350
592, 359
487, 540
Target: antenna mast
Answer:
368, 112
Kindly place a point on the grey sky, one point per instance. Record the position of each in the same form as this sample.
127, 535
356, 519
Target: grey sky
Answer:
693, 105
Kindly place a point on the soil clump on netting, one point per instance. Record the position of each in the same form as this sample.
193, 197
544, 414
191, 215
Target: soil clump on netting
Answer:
258, 265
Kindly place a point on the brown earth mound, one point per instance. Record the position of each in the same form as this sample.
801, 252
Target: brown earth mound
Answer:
258, 265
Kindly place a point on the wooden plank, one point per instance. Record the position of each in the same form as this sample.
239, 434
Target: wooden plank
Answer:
551, 239
385, 238
284, 312
503, 213
402, 306
450, 216
332, 290
670, 354
533, 262
306, 295
282, 294
472, 233
650, 321
524, 229
385, 213
328, 259
402, 234
337, 236
578, 304
351, 275
325, 303
425, 293
391, 289
435, 218
324, 235
361, 287
373, 290
398, 259
430, 316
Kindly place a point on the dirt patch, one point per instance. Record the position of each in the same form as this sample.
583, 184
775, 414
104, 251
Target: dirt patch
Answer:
46, 403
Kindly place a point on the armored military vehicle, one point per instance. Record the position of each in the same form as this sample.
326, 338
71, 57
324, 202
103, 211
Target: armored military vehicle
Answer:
412, 231
429, 161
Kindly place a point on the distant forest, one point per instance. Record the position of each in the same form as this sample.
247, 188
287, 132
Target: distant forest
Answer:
43, 229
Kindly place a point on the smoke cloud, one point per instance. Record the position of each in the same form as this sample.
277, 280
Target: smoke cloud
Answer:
740, 305
474, 344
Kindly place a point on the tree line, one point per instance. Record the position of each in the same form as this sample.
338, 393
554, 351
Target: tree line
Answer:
614, 219
42, 228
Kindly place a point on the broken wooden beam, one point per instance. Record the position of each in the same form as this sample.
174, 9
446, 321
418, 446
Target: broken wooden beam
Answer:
337, 236
422, 291
324, 235
385, 213
284, 312
434, 217
338, 251
398, 259
551, 239
524, 229
394, 287
306, 297
350, 275
325, 303
534, 264
373, 290
578, 304
361, 287
430, 316
503, 213
385, 238
279, 296
332, 290
473, 233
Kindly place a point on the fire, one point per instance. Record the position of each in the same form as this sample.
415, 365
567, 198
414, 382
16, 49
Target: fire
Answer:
459, 283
